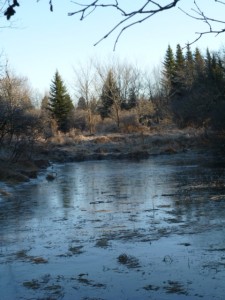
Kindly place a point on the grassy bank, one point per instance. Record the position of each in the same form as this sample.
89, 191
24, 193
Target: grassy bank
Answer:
67, 148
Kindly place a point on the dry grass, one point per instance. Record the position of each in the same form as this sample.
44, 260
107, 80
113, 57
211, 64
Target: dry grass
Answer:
72, 146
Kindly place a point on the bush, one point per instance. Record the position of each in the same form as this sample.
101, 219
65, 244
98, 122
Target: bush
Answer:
78, 120
106, 126
129, 122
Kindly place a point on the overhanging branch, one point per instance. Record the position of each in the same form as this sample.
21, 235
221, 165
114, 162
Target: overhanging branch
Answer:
139, 14
199, 15
148, 9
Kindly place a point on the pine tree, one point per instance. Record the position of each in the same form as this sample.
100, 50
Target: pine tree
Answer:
110, 95
132, 100
179, 81
218, 71
215, 78
180, 60
199, 65
44, 104
208, 64
60, 103
169, 72
189, 68
82, 103
189, 57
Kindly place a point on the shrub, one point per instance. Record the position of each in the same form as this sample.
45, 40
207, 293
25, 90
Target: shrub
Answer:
129, 122
106, 126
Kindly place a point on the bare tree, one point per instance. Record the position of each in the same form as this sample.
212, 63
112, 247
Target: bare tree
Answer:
15, 90
155, 92
85, 90
130, 82
19, 121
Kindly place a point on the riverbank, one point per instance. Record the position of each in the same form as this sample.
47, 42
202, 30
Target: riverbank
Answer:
68, 148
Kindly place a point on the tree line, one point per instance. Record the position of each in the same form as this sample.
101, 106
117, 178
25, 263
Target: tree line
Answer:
194, 85
187, 90
110, 98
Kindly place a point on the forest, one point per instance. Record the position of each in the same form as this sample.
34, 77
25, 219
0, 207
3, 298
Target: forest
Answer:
188, 90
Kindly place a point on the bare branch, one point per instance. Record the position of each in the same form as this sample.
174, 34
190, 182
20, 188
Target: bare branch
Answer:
149, 8
126, 27
113, 29
142, 10
199, 15
129, 18
222, 2
200, 34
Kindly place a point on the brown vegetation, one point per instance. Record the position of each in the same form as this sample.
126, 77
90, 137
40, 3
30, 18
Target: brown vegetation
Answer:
71, 148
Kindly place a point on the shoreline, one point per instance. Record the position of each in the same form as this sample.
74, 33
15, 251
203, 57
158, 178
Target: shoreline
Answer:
135, 146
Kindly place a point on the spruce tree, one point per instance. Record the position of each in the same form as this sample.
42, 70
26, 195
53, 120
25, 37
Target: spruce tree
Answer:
60, 103
216, 80
180, 60
189, 57
199, 65
44, 104
82, 104
132, 100
180, 69
208, 64
189, 68
218, 72
169, 71
110, 95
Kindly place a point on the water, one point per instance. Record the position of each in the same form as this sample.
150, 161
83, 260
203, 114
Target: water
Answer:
151, 229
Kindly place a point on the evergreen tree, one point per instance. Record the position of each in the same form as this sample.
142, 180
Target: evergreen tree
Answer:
132, 100
180, 60
179, 81
82, 103
208, 65
197, 90
189, 57
169, 72
217, 71
218, 97
110, 95
216, 82
219, 74
189, 66
44, 104
199, 65
212, 80
60, 103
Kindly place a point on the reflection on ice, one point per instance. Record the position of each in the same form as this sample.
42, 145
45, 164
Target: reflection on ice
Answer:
152, 229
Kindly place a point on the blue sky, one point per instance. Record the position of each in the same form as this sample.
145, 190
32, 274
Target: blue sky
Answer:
42, 42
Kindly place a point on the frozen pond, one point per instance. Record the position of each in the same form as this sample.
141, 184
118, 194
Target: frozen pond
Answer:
151, 229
